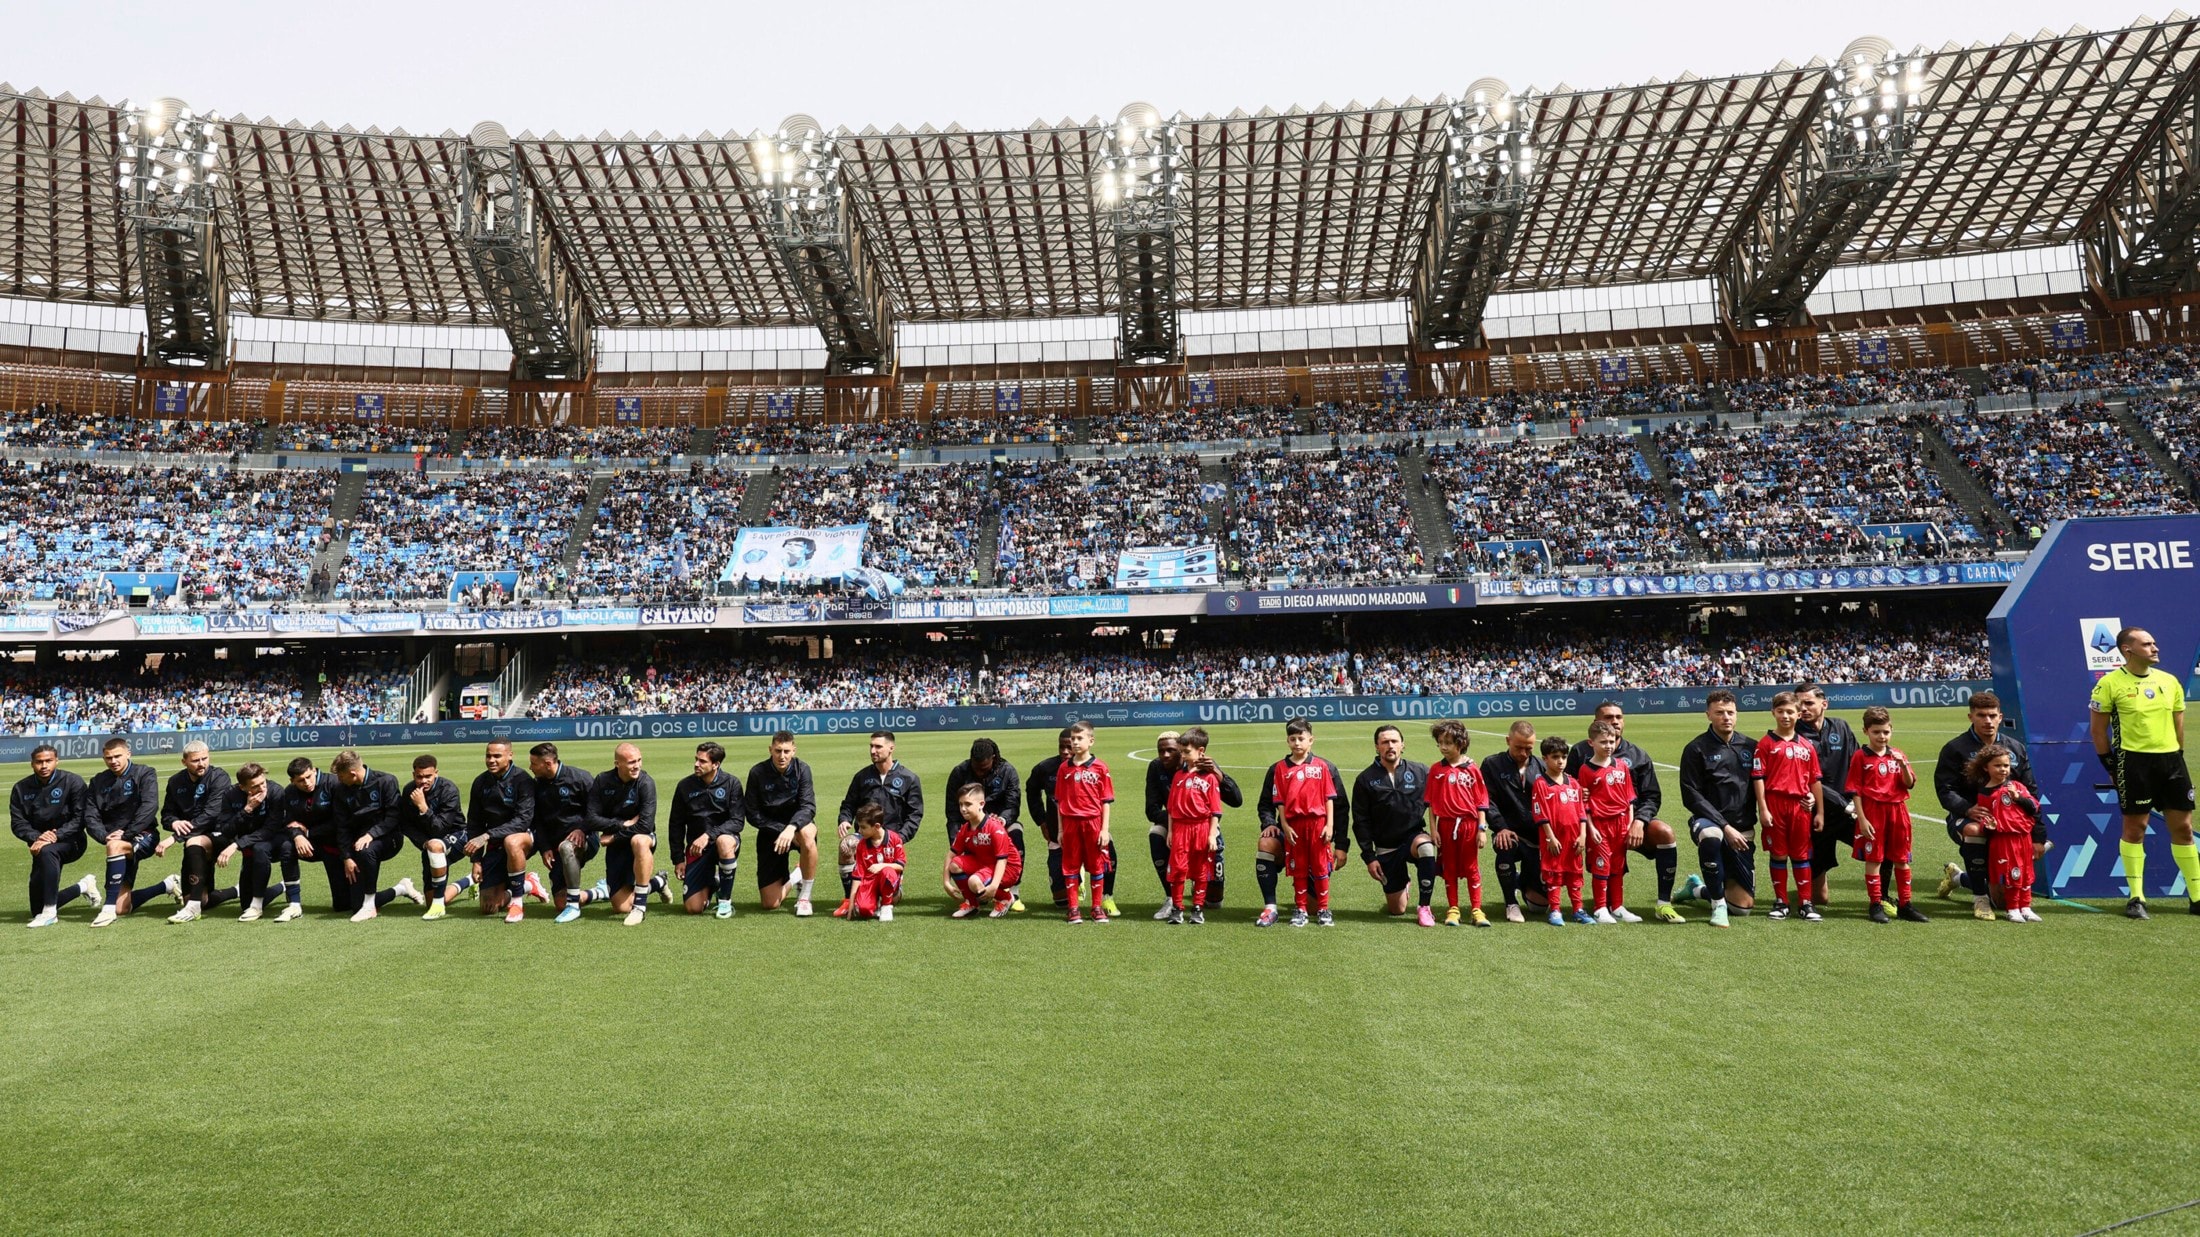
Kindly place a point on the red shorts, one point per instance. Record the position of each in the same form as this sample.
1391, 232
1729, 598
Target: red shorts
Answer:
1890, 837
968, 865
1608, 846
1191, 850
873, 892
1308, 856
2009, 860
1786, 832
1081, 848
1458, 843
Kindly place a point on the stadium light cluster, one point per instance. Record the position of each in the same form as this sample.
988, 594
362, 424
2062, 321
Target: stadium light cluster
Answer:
1141, 161
1490, 141
1874, 99
171, 156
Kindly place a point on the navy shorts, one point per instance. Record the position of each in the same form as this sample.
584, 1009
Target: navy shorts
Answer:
618, 858
1739, 866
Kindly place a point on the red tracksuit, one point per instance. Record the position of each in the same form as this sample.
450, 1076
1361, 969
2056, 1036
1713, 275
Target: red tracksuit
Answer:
1195, 804
1610, 790
1081, 793
1560, 805
1789, 770
1876, 792
2009, 851
1303, 793
1457, 798
873, 891
976, 848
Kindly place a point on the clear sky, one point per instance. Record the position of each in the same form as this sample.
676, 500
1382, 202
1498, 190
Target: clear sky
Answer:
642, 65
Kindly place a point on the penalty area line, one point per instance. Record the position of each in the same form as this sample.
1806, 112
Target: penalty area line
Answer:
2151, 1215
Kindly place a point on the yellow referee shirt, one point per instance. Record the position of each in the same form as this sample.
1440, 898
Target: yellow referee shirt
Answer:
2144, 708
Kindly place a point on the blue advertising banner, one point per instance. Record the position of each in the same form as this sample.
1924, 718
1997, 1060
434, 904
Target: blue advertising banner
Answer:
240, 621
1724, 582
490, 620
1504, 706
784, 612
1613, 369
2087, 577
626, 409
1100, 604
605, 616
1324, 600
26, 622
2067, 336
170, 624
1871, 351
171, 399
1202, 390
366, 407
1008, 400
1396, 381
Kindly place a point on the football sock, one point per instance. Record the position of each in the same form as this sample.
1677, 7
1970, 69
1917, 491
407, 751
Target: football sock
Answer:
727, 870
803, 886
1424, 878
1508, 877
66, 895
439, 874
1780, 882
215, 897
2188, 862
1886, 873
847, 880
1615, 890
1802, 880
1597, 891
1298, 892
1573, 889
1902, 884
1451, 889
463, 883
2134, 855
1199, 893
1710, 851
1265, 870
1074, 888
1057, 882
516, 885
1874, 888
1668, 861
658, 883
118, 867
1474, 881
139, 897
383, 897
1321, 893
1159, 846
194, 873
1973, 853
1099, 895
1112, 865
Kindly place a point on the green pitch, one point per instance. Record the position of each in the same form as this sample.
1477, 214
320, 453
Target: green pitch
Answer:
924, 1075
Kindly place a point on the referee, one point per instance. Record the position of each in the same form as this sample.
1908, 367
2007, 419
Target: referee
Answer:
2139, 734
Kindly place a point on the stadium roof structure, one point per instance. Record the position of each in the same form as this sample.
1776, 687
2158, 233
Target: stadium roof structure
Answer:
2021, 143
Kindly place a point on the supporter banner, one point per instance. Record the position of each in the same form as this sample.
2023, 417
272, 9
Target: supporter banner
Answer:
797, 555
305, 624
376, 623
463, 580
66, 623
1141, 566
859, 610
26, 622
1321, 600
607, 616
170, 624
1012, 607
1503, 706
784, 612
494, 620
679, 616
1722, 582
240, 621
1101, 604
940, 608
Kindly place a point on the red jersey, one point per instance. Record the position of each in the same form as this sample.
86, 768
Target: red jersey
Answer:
1786, 766
1081, 791
1559, 804
1194, 797
888, 850
2013, 807
1303, 791
1610, 788
984, 843
1455, 791
1877, 778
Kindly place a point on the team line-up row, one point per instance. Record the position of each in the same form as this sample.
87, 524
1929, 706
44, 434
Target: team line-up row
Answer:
1553, 813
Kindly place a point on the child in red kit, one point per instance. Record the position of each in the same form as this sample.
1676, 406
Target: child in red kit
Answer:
1879, 785
880, 861
1560, 807
982, 859
1195, 821
1458, 800
1785, 776
1084, 798
1608, 784
2009, 850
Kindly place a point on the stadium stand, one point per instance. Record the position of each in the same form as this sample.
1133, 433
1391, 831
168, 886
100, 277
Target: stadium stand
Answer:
568, 442
925, 522
2042, 466
1800, 492
1058, 513
661, 536
1107, 672
700, 681
1855, 389
1591, 501
359, 437
415, 531
1334, 517
2175, 423
111, 697
796, 438
2132, 367
234, 535
48, 428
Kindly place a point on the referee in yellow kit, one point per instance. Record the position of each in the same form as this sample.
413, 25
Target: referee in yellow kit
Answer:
2139, 734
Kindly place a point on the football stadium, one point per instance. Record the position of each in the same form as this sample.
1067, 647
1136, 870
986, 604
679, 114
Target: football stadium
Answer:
873, 674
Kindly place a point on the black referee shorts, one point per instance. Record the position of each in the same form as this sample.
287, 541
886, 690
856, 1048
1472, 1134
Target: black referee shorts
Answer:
2152, 782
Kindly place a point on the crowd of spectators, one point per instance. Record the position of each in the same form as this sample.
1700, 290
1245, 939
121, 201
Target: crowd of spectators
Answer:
123, 694
575, 442
1854, 389
232, 535
52, 428
383, 437
924, 522
363, 695
1198, 424
661, 536
1064, 522
1558, 654
2044, 465
1591, 501
1125, 670
1798, 492
804, 438
2175, 423
2156, 366
1328, 518
414, 532
1003, 430
698, 682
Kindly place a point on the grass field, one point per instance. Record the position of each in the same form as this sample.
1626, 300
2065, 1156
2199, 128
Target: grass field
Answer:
770, 1073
